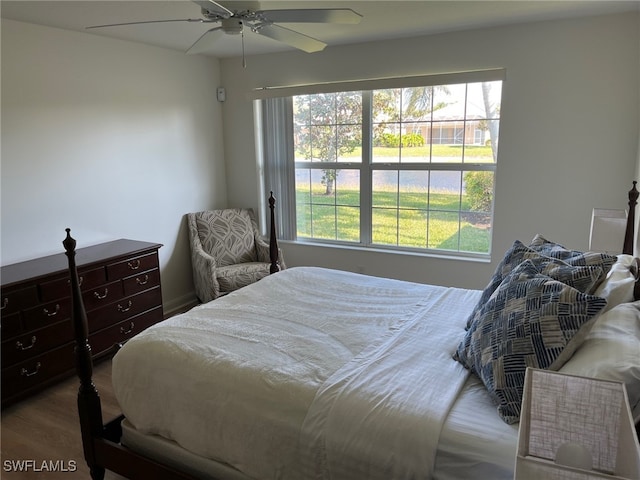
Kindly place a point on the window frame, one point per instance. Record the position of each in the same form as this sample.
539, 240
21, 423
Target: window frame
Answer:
366, 166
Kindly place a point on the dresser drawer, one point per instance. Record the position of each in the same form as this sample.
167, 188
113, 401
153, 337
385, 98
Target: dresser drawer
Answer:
62, 287
15, 300
23, 347
132, 266
11, 325
37, 371
124, 309
47, 314
103, 341
141, 281
102, 295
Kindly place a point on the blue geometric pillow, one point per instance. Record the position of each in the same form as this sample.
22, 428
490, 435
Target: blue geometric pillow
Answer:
572, 257
531, 320
583, 278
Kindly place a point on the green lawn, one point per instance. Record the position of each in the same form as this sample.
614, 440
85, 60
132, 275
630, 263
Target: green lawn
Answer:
337, 217
455, 151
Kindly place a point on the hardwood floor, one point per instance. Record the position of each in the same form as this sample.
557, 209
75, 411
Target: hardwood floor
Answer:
45, 428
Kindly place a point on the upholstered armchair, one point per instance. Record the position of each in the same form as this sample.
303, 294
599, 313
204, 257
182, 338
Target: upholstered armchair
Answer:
227, 251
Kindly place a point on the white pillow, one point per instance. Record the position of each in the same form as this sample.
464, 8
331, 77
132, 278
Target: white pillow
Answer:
612, 351
618, 285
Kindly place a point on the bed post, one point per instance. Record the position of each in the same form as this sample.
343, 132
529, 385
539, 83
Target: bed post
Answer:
631, 220
89, 408
273, 241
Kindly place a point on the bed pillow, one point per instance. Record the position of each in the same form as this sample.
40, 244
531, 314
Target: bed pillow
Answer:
619, 283
572, 257
582, 278
611, 351
531, 320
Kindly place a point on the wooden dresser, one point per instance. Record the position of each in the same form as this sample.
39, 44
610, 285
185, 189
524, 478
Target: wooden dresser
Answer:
120, 282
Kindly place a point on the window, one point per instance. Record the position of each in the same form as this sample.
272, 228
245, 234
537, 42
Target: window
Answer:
407, 167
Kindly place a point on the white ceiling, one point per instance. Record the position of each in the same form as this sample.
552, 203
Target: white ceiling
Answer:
381, 19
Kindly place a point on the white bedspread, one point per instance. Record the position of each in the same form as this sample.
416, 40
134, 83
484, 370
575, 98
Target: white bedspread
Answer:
263, 382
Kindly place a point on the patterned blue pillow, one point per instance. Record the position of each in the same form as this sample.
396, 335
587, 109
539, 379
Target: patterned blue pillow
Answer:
583, 278
531, 320
573, 257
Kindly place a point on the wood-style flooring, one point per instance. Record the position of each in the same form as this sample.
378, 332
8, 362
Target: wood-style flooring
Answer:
45, 428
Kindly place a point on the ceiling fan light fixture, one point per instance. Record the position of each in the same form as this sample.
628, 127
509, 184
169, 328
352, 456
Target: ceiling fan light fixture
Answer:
232, 26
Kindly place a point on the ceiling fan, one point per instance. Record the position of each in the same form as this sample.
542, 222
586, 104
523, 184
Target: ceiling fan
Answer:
262, 22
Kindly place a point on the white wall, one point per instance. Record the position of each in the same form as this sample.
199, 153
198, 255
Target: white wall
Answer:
110, 138
568, 139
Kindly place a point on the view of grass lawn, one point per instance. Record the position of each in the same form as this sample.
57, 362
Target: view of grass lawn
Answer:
418, 221
477, 152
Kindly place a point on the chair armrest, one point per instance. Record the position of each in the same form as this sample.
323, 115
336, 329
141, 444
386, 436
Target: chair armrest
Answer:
204, 274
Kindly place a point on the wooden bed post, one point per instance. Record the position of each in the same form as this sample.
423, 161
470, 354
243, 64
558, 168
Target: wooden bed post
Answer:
631, 220
273, 242
89, 407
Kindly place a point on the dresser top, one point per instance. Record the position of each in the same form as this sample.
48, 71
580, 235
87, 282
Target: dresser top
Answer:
59, 263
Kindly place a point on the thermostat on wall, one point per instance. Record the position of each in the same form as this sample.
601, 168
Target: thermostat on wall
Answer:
221, 94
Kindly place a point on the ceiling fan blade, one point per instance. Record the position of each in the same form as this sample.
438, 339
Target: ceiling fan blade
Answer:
214, 8
200, 45
197, 20
312, 15
291, 37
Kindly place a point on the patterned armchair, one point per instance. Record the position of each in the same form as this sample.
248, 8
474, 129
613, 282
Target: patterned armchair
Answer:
227, 251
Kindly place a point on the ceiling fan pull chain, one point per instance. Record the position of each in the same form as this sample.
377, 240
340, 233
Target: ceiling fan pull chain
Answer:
244, 61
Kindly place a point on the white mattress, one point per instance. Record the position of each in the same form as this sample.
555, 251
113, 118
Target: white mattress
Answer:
319, 373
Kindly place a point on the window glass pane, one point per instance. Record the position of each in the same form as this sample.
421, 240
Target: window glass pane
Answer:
384, 191
476, 211
413, 189
349, 108
417, 104
386, 108
443, 230
384, 226
483, 99
412, 228
348, 224
323, 221
445, 190
347, 187
449, 102
303, 220
322, 108
414, 141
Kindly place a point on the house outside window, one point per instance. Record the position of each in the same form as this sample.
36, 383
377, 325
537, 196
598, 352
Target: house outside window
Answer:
406, 168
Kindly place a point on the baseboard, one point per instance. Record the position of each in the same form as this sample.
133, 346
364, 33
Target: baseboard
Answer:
180, 305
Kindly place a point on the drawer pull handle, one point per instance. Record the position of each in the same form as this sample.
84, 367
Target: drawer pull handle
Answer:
51, 314
142, 282
134, 264
125, 331
80, 279
26, 373
103, 296
5, 302
21, 346
122, 309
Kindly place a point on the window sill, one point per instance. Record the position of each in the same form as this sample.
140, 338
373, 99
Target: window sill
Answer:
465, 257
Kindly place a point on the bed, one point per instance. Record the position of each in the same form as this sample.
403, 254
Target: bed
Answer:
317, 373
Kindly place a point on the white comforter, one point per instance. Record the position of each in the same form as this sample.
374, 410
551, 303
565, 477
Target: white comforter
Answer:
309, 373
